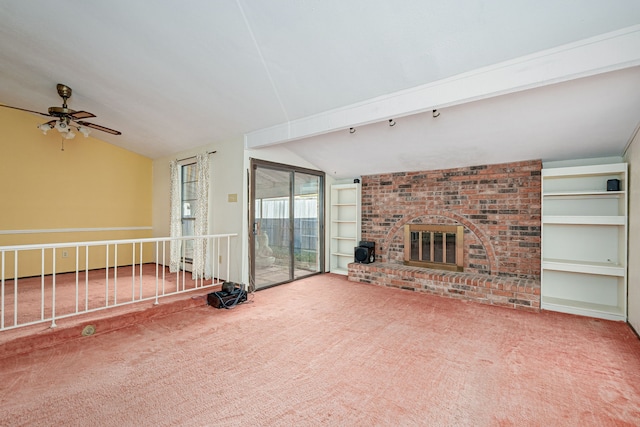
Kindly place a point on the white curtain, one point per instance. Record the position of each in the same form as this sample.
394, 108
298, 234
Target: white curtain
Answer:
175, 217
201, 226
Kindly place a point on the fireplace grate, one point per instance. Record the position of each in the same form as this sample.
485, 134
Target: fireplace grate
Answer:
434, 246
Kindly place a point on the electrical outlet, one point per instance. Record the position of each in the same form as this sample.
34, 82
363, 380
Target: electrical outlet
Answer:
219, 259
65, 254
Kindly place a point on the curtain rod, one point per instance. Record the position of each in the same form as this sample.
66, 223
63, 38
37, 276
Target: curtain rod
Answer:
193, 157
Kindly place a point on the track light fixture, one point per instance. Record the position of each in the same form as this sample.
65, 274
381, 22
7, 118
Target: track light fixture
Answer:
352, 130
436, 113
392, 122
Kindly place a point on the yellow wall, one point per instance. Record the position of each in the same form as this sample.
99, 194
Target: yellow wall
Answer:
91, 184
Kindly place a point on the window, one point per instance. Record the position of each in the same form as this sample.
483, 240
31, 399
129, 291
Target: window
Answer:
434, 246
189, 178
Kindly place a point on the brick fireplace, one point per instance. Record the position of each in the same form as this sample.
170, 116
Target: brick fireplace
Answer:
497, 205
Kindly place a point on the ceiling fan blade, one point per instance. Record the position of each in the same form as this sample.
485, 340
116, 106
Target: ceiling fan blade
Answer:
102, 128
28, 111
76, 115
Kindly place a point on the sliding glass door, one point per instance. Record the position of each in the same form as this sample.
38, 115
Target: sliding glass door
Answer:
286, 215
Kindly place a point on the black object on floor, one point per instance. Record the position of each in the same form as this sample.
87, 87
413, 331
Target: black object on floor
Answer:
228, 298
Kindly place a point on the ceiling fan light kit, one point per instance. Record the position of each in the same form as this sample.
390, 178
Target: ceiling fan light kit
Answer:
45, 127
84, 130
66, 119
64, 128
61, 126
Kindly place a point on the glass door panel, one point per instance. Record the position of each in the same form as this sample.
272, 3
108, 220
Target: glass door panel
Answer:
272, 259
306, 225
286, 216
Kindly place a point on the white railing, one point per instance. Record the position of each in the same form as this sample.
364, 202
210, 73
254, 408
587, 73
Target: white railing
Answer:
46, 282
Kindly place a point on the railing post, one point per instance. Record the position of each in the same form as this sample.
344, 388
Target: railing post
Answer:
53, 291
140, 270
115, 274
164, 267
228, 258
197, 241
219, 266
133, 271
42, 284
178, 275
86, 277
77, 278
15, 288
184, 270
106, 285
156, 301
213, 258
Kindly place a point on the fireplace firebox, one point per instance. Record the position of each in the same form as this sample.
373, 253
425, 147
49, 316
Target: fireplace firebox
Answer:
434, 246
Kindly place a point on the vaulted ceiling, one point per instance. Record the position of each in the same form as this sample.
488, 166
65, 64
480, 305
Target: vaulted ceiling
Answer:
511, 79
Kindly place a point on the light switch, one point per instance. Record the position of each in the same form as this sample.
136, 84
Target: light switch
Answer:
232, 197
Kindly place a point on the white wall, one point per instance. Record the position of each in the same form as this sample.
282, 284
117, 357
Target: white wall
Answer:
224, 216
632, 156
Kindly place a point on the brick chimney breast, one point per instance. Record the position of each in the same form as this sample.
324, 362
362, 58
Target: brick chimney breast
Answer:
499, 207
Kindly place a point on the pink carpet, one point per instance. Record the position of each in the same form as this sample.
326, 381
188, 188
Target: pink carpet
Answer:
324, 351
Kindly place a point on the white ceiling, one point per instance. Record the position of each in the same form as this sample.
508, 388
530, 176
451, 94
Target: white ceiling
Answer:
173, 76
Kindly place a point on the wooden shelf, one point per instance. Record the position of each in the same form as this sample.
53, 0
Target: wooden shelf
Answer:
584, 171
603, 268
584, 220
587, 193
344, 225
582, 226
350, 255
601, 311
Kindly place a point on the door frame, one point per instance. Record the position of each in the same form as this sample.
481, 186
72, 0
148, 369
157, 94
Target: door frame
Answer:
256, 163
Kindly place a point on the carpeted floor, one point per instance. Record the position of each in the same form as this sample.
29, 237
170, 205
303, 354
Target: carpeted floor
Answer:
324, 351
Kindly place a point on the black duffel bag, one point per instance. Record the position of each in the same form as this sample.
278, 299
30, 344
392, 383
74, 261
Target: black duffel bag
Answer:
230, 296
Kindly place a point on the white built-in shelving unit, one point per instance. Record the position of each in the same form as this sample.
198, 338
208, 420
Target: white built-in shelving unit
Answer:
345, 225
584, 241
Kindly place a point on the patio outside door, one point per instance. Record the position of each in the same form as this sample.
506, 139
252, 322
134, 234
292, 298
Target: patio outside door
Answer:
286, 219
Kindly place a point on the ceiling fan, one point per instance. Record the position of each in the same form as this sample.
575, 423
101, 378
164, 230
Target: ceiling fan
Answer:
66, 119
